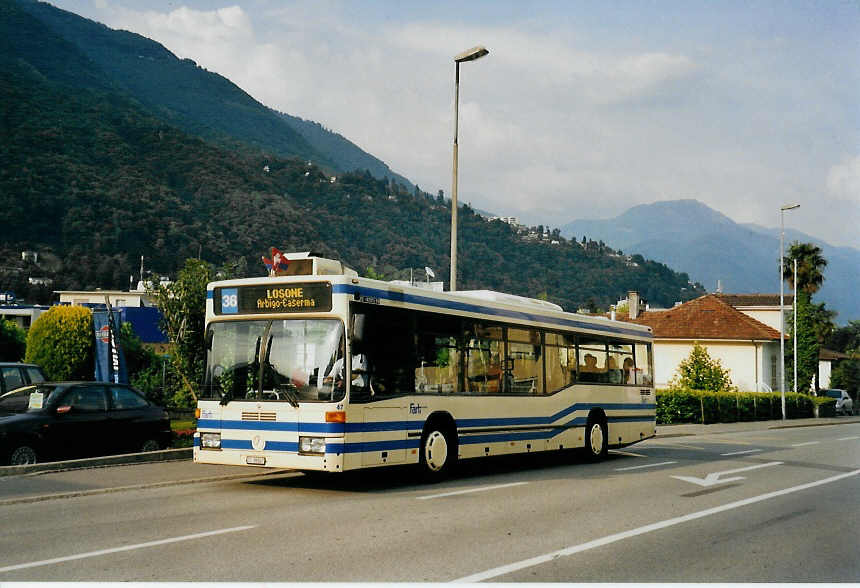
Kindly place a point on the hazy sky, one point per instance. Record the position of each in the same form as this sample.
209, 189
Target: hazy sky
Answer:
581, 110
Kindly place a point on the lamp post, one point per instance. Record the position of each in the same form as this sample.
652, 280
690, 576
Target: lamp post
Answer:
782, 210
795, 325
467, 55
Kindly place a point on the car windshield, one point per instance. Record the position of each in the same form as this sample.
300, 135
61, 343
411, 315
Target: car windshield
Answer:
291, 360
834, 393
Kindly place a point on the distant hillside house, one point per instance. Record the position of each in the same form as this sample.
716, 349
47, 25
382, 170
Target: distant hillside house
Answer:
135, 307
748, 347
117, 298
22, 315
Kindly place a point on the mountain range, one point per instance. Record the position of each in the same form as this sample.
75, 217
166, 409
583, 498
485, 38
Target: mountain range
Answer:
713, 249
113, 149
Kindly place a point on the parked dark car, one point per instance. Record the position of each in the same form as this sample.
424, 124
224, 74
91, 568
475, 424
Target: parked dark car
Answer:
61, 420
15, 375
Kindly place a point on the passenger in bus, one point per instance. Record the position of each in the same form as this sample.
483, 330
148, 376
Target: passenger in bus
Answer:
589, 372
629, 372
590, 365
615, 376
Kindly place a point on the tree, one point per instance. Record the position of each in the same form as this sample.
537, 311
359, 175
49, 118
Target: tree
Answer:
183, 307
13, 341
700, 372
845, 339
807, 343
61, 342
810, 267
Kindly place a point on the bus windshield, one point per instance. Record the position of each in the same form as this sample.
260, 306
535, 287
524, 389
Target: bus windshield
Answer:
290, 360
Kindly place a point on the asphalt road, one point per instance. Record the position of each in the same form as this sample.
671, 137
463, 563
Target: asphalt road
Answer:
775, 505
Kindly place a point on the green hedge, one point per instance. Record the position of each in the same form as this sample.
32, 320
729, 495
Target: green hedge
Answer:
681, 405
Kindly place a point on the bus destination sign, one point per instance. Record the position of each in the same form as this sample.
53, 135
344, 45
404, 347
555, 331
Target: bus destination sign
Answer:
309, 297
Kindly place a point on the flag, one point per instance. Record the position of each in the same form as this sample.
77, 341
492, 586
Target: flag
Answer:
109, 359
277, 264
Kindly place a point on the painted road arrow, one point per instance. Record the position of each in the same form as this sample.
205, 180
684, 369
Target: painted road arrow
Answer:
714, 477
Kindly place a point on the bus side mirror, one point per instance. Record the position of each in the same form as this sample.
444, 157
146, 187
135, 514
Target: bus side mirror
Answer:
209, 336
357, 330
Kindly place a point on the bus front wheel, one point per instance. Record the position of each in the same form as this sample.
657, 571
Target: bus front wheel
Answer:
596, 438
438, 453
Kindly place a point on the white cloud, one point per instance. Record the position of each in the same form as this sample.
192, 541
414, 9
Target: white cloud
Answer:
843, 180
560, 121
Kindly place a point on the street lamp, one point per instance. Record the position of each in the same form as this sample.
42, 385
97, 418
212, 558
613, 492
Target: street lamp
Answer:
782, 210
467, 55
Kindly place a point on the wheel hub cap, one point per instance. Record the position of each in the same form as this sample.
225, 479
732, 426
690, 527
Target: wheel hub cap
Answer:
436, 451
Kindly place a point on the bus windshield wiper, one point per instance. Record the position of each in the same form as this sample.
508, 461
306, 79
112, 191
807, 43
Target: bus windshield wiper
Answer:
289, 393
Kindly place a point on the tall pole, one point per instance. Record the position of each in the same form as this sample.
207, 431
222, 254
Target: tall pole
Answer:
795, 325
467, 55
782, 210
454, 180
781, 312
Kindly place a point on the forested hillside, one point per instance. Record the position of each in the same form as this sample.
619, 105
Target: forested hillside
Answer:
195, 100
92, 179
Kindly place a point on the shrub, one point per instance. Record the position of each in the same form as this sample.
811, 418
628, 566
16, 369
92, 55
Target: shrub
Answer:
683, 405
13, 341
61, 341
700, 372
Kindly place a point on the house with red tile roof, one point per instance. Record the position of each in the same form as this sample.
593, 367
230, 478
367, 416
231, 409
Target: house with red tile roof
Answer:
747, 347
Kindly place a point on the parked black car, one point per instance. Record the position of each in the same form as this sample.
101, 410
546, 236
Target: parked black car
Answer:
15, 375
61, 420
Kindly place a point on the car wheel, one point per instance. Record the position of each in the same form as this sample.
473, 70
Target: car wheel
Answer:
438, 453
23, 455
596, 438
150, 445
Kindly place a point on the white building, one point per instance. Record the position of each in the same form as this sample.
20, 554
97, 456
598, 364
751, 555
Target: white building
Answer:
746, 346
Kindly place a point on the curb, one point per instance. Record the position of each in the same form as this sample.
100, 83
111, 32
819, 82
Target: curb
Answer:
96, 491
765, 426
96, 462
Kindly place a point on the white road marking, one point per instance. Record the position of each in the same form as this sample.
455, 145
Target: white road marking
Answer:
714, 477
805, 444
627, 453
541, 559
848, 438
470, 490
650, 465
47, 562
741, 452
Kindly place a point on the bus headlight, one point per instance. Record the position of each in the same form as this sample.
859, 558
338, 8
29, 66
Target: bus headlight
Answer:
312, 445
210, 440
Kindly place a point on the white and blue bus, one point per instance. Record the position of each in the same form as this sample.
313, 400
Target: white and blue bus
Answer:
323, 370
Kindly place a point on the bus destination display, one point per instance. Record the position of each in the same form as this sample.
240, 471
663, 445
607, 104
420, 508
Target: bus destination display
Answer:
311, 297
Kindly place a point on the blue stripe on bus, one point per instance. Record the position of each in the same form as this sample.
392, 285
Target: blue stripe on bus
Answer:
210, 294
477, 308
396, 444
513, 421
381, 426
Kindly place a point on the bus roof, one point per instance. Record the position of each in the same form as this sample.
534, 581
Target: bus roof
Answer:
480, 304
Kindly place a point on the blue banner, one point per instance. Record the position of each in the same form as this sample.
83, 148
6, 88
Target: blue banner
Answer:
109, 360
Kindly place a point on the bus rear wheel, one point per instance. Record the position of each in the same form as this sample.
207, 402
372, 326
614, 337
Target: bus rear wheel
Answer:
438, 453
596, 438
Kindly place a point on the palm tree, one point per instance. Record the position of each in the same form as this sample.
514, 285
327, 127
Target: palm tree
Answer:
810, 266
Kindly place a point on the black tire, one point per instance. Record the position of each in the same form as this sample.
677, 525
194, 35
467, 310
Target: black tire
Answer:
150, 445
596, 438
23, 454
438, 452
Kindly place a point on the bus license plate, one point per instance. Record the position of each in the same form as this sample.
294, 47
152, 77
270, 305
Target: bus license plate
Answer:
255, 460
